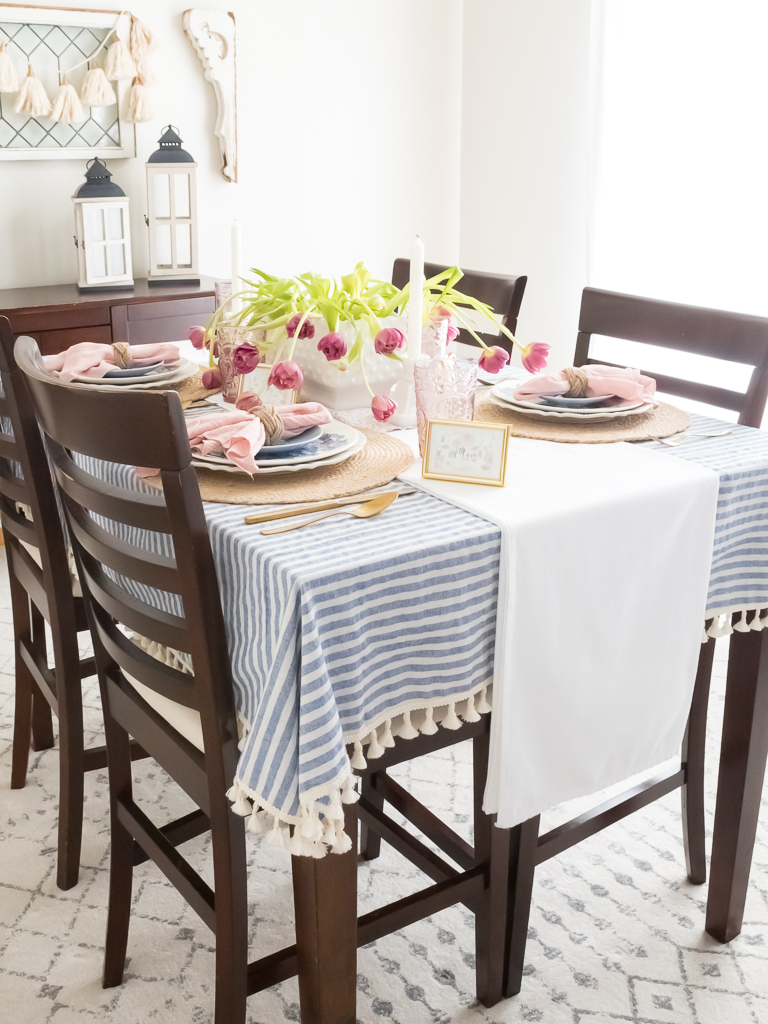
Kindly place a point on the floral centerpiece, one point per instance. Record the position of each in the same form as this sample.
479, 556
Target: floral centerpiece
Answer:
353, 323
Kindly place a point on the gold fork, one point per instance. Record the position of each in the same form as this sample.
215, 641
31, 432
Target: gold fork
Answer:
367, 511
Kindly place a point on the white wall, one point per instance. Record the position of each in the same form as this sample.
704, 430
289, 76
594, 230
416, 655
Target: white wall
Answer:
349, 136
525, 150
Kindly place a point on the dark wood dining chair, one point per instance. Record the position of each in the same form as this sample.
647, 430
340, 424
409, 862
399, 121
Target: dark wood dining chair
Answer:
139, 694
734, 337
503, 293
42, 590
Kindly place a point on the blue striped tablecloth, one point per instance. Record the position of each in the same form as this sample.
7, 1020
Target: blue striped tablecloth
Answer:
338, 630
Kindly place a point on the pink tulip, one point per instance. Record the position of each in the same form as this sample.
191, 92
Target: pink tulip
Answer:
332, 346
307, 328
246, 358
534, 356
451, 333
211, 379
196, 336
493, 359
286, 376
382, 408
440, 313
387, 340
248, 401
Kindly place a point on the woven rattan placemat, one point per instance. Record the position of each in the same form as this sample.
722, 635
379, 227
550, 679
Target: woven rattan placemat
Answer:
382, 458
662, 421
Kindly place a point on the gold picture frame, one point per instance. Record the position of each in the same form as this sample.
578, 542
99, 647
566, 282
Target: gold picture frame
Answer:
466, 452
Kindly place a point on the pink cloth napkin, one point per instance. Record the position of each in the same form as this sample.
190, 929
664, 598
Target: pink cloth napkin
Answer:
603, 380
241, 436
89, 359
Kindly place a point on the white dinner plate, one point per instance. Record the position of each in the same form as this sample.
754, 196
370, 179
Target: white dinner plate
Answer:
186, 369
598, 415
162, 373
504, 394
268, 466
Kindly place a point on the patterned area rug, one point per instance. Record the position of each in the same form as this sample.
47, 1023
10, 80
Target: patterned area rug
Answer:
616, 931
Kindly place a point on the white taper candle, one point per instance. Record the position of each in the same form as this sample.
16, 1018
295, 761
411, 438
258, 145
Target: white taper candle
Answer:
236, 268
416, 299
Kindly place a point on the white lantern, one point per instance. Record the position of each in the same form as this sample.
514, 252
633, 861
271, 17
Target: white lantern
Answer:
172, 205
102, 232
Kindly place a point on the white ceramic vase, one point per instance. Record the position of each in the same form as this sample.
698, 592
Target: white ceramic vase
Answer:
344, 389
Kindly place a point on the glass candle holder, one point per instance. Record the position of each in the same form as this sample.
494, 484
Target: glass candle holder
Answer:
445, 390
228, 337
222, 291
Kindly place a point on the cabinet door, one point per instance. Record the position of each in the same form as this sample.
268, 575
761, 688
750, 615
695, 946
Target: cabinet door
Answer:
143, 323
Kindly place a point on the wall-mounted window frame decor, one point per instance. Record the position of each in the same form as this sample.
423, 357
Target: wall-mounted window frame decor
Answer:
60, 41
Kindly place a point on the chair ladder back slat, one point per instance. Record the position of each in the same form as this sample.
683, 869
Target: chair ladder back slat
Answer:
17, 524
132, 659
134, 508
180, 758
152, 623
154, 570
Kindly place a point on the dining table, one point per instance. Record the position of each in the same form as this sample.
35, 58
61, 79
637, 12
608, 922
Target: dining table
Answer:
319, 620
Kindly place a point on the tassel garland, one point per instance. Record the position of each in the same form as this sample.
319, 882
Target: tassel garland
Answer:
96, 90
33, 99
66, 106
141, 39
144, 72
138, 107
9, 79
119, 62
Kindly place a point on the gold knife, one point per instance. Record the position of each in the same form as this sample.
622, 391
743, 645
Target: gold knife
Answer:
353, 499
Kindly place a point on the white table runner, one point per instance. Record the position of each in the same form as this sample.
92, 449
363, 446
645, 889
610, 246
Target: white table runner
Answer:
605, 562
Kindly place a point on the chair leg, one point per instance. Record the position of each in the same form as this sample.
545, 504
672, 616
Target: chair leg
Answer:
121, 854
694, 747
71, 784
42, 717
370, 841
230, 884
492, 847
22, 718
524, 842
22, 725
325, 900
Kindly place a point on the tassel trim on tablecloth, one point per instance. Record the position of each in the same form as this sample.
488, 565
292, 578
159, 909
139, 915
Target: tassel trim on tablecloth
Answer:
726, 621
318, 828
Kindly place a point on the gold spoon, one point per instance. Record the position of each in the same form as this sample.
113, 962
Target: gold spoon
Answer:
367, 511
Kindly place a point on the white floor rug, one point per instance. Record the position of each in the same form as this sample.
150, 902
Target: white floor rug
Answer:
616, 930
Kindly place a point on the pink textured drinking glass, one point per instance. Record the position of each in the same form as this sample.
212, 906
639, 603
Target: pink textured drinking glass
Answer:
445, 390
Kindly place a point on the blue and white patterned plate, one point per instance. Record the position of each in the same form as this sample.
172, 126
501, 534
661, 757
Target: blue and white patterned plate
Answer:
338, 440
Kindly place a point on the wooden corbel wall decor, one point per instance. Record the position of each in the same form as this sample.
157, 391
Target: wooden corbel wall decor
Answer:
212, 33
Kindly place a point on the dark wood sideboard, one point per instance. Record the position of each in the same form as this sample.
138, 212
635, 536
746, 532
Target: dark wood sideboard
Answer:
58, 316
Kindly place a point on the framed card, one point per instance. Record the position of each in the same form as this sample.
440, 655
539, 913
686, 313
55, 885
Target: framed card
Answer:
469, 453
